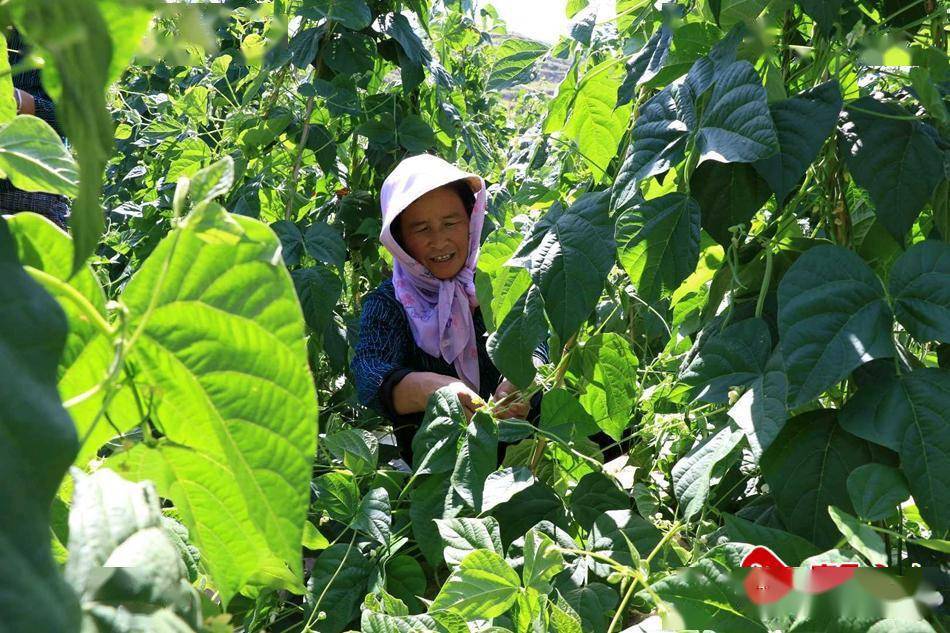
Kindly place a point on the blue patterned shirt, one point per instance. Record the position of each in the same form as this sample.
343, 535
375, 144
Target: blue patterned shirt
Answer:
387, 351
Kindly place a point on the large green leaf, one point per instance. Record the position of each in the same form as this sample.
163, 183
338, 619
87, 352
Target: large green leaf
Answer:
482, 586
692, 475
802, 123
807, 469
460, 537
337, 494
596, 123
613, 534
234, 397
498, 286
658, 243
729, 194
324, 244
38, 444
514, 59
542, 561
593, 495
120, 553
735, 357
77, 79
427, 503
832, 318
645, 64
563, 416
319, 289
594, 603
353, 14
612, 391
734, 125
337, 585
919, 285
909, 415
47, 254
894, 158
33, 157
434, 444
859, 536
762, 410
477, 458
704, 597
876, 490
790, 548
374, 516
512, 346
569, 253
825, 13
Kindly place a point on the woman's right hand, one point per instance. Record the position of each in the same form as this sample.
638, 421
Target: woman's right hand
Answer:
412, 393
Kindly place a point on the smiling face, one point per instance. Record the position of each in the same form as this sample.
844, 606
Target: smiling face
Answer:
434, 232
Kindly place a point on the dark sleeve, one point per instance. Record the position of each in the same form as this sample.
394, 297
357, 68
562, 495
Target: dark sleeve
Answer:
46, 110
542, 352
380, 351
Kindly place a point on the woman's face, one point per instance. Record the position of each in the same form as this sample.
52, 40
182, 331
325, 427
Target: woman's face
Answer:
435, 232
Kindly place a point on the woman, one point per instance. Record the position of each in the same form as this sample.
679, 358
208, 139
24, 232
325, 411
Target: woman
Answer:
422, 330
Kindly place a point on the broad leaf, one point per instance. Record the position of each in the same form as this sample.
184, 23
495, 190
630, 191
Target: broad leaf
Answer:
611, 394
319, 289
374, 516
594, 603
735, 357
499, 287
39, 444
790, 548
908, 415
353, 14
658, 243
692, 475
807, 469
434, 444
832, 318
920, 287
337, 585
482, 586
46, 252
825, 13
514, 60
762, 410
119, 552
733, 127
569, 253
876, 490
460, 537
596, 123
477, 458
291, 241
427, 503
645, 64
728, 195
704, 597
526, 508
803, 124
613, 534
33, 157
542, 561
563, 416
77, 78
860, 537
357, 449
336, 494
502, 485
593, 495
324, 244
895, 159
234, 396
512, 346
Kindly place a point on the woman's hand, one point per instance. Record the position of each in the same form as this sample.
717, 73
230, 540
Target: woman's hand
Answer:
515, 408
411, 394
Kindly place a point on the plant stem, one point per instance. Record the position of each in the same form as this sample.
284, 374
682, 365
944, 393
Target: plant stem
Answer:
766, 282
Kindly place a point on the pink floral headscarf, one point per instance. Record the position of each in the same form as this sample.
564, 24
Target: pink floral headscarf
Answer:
439, 311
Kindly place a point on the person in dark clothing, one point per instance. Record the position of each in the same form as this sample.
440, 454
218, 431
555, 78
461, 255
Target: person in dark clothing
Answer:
422, 330
32, 99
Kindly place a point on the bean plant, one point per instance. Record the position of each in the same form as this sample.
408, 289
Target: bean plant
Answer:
728, 219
